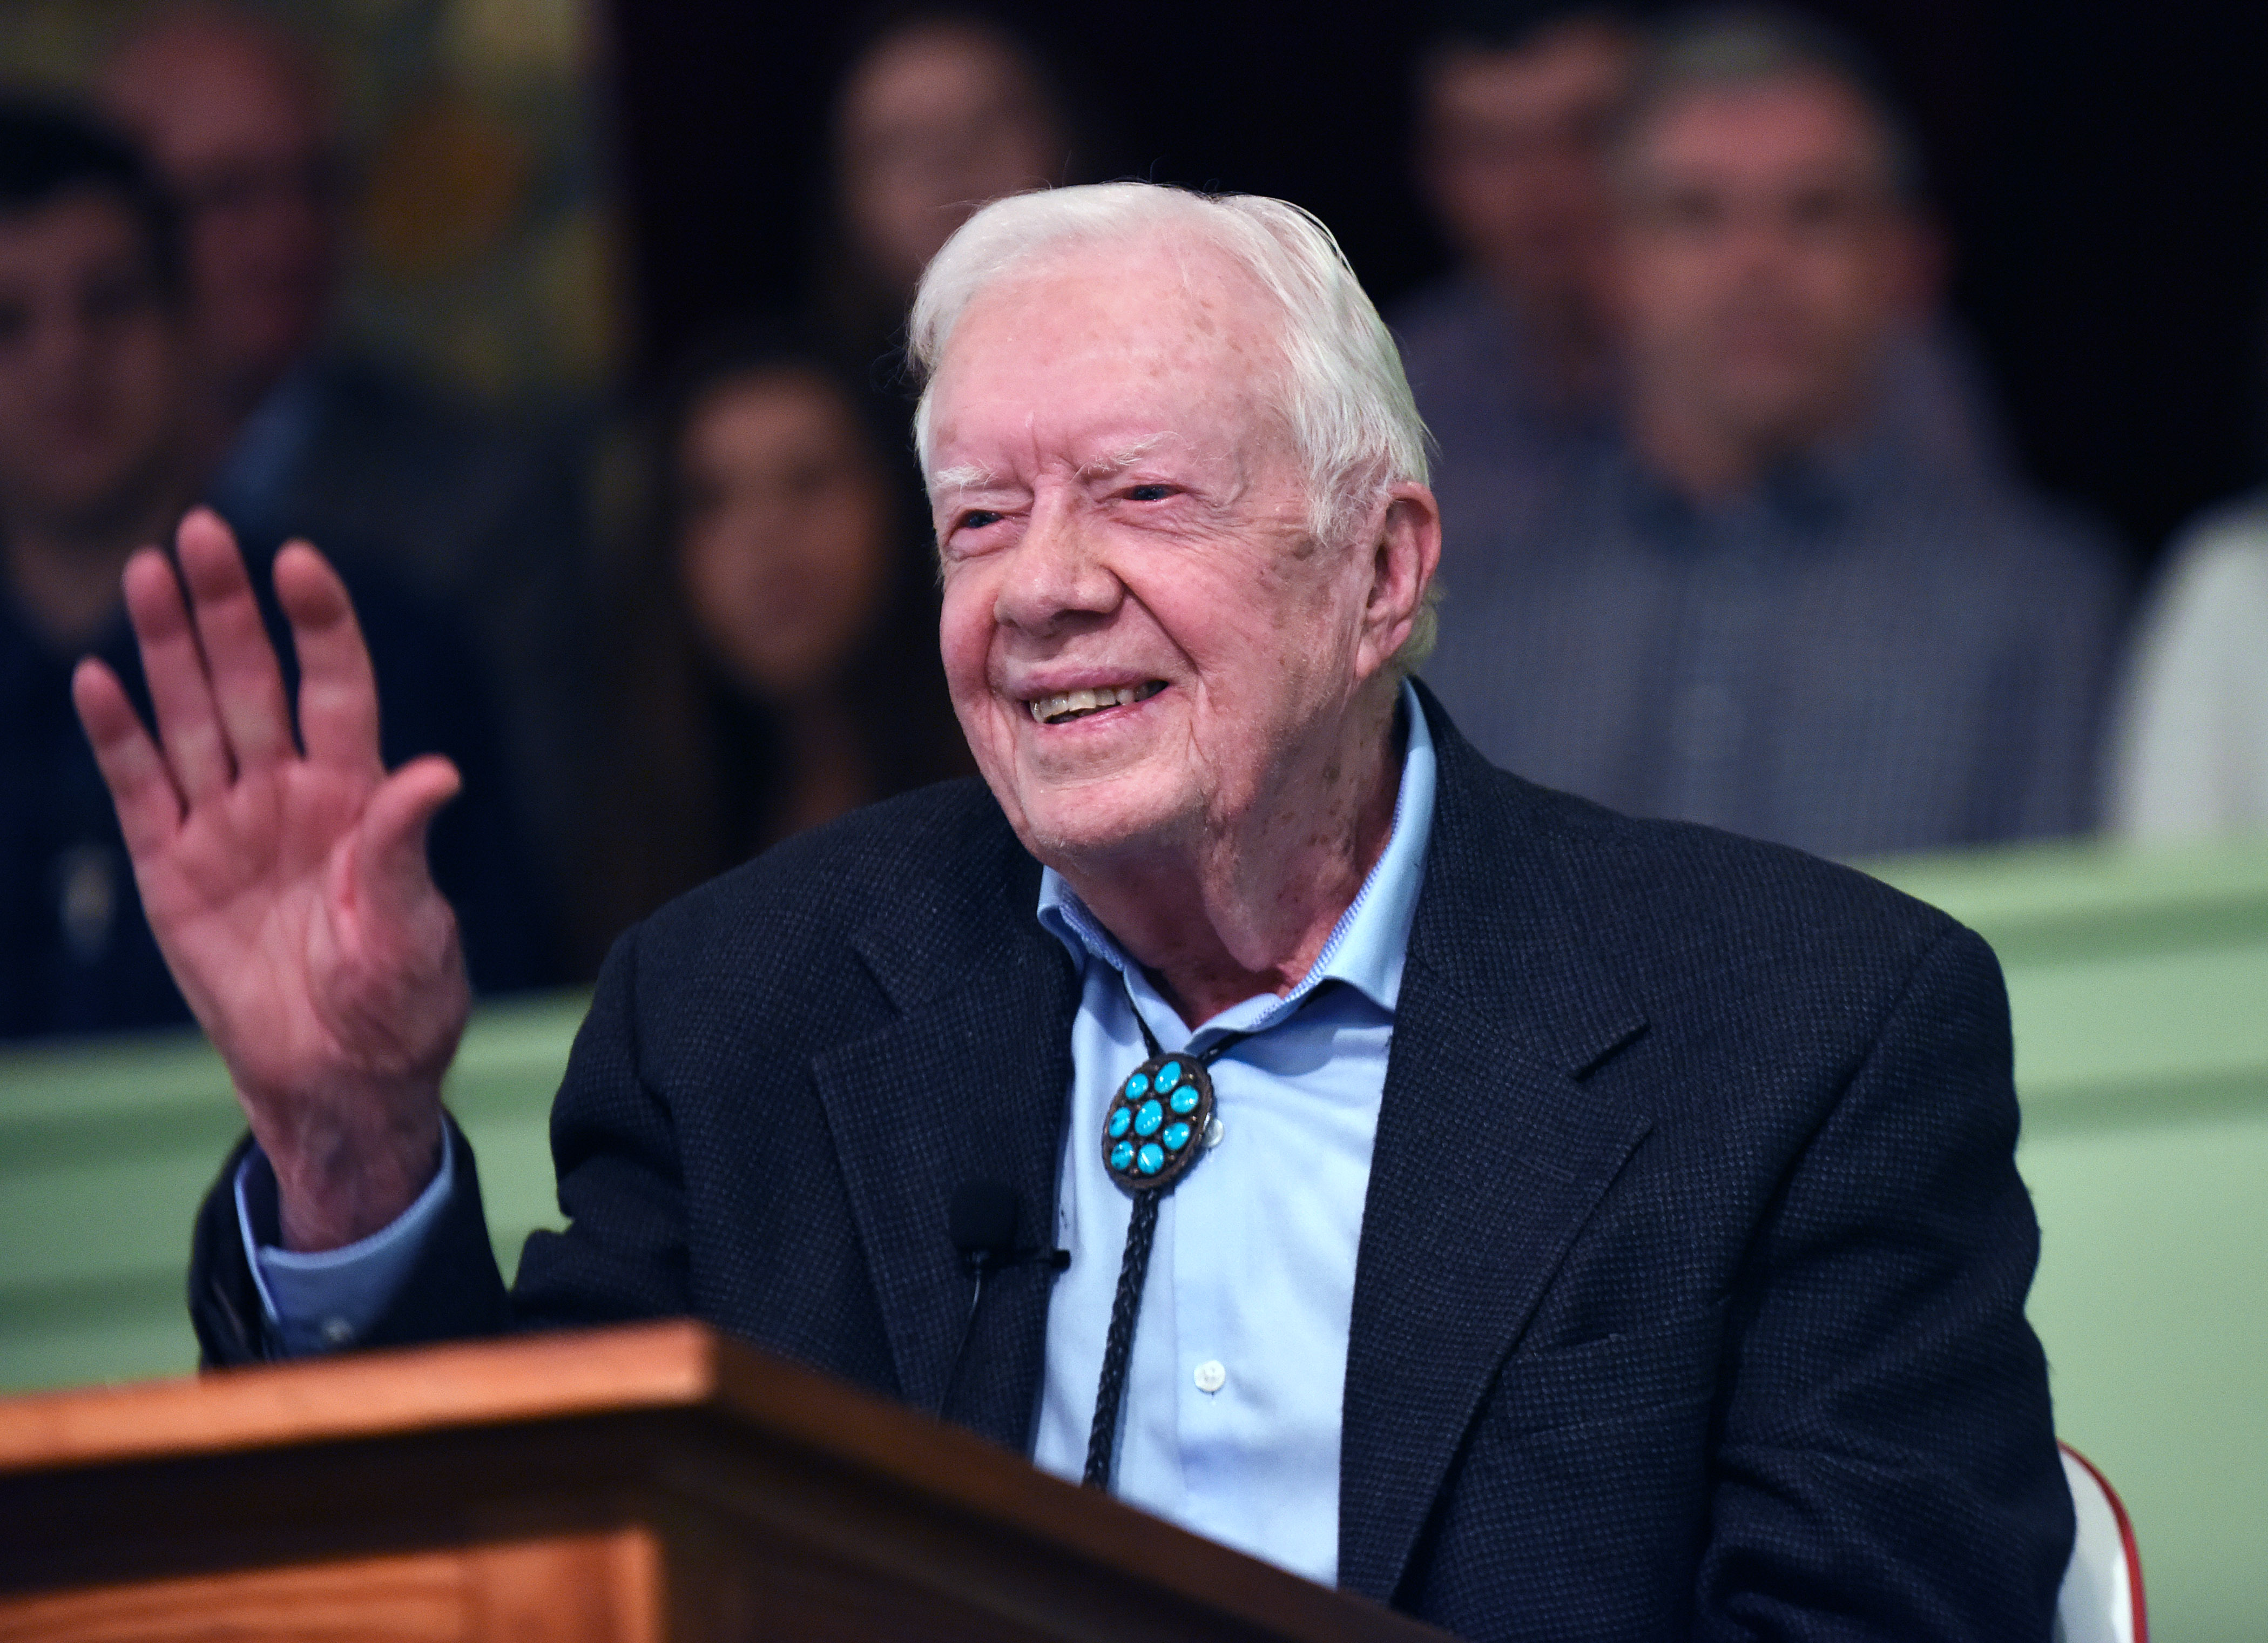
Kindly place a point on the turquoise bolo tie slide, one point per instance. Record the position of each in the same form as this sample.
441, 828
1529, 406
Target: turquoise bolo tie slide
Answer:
1152, 1133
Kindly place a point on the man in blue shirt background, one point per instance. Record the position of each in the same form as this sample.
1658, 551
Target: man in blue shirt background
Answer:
1787, 597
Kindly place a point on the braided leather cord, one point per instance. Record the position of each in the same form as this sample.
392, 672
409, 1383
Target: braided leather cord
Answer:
1133, 1269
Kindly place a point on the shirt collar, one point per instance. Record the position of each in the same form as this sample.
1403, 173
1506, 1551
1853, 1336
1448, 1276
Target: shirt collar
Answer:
1366, 946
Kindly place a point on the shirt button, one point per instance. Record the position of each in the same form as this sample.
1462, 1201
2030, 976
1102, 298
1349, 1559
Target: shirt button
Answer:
1211, 1375
1214, 1132
337, 1332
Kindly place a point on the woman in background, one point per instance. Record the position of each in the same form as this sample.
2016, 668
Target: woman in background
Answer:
780, 661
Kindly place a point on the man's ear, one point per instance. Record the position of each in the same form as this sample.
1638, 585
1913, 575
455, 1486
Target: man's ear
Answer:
1406, 553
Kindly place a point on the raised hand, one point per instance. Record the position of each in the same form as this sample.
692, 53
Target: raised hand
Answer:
286, 883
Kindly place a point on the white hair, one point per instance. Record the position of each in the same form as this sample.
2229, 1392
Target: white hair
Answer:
1345, 397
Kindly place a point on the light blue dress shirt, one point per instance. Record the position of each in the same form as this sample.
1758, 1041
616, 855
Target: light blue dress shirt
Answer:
326, 1299
1230, 1417
1230, 1424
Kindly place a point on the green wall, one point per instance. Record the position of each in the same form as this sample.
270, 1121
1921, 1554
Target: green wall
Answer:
2139, 988
107, 1148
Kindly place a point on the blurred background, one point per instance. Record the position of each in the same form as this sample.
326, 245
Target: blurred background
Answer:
483, 228
2099, 167
558, 192
1853, 423
570, 329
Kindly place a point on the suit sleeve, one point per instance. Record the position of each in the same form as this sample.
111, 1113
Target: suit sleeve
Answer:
1886, 1464
622, 1256
451, 1290
615, 1146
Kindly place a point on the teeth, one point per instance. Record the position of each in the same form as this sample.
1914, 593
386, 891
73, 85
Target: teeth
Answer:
1067, 704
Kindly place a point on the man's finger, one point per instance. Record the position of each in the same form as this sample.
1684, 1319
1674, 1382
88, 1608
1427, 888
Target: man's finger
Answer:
247, 686
189, 724
338, 694
148, 808
391, 867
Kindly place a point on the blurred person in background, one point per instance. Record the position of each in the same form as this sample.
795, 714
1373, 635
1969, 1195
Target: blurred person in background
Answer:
307, 435
99, 456
939, 112
778, 665
1765, 609
1514, 354
2190, 749
1511, 355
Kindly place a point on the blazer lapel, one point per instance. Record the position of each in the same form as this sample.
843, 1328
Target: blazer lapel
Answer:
1491, 1151
968, 1084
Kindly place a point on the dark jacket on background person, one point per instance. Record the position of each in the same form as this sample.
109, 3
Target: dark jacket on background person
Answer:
76, 955
481, 518
1690, 1298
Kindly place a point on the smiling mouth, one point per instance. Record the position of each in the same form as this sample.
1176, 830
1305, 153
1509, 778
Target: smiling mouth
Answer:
1067, 706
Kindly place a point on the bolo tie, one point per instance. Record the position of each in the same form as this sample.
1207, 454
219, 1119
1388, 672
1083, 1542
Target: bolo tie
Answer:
1152, 1136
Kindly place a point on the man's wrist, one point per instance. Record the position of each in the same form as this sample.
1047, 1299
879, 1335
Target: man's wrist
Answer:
338, 1181
319, 1301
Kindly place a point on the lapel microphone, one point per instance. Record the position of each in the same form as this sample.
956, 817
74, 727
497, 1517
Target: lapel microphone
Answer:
982, 1219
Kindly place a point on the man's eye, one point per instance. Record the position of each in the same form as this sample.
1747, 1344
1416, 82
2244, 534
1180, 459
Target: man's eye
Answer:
1149, 493
977, 519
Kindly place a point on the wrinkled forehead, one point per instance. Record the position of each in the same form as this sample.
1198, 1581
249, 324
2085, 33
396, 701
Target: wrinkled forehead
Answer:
1152, 291
1161, 338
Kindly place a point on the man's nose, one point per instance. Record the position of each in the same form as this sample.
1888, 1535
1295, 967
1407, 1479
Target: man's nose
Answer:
1058, 573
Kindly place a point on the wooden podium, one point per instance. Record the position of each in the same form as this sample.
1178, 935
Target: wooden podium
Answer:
649, 1484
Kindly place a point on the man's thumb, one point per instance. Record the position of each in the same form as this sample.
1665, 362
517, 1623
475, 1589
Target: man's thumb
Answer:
390, 865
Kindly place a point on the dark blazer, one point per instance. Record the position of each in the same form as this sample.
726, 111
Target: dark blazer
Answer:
1691, 1293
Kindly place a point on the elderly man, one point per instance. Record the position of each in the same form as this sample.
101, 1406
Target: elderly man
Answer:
1768, 606
1555, 1225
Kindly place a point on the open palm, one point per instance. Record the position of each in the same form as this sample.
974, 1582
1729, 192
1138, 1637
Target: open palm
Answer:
286, 880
